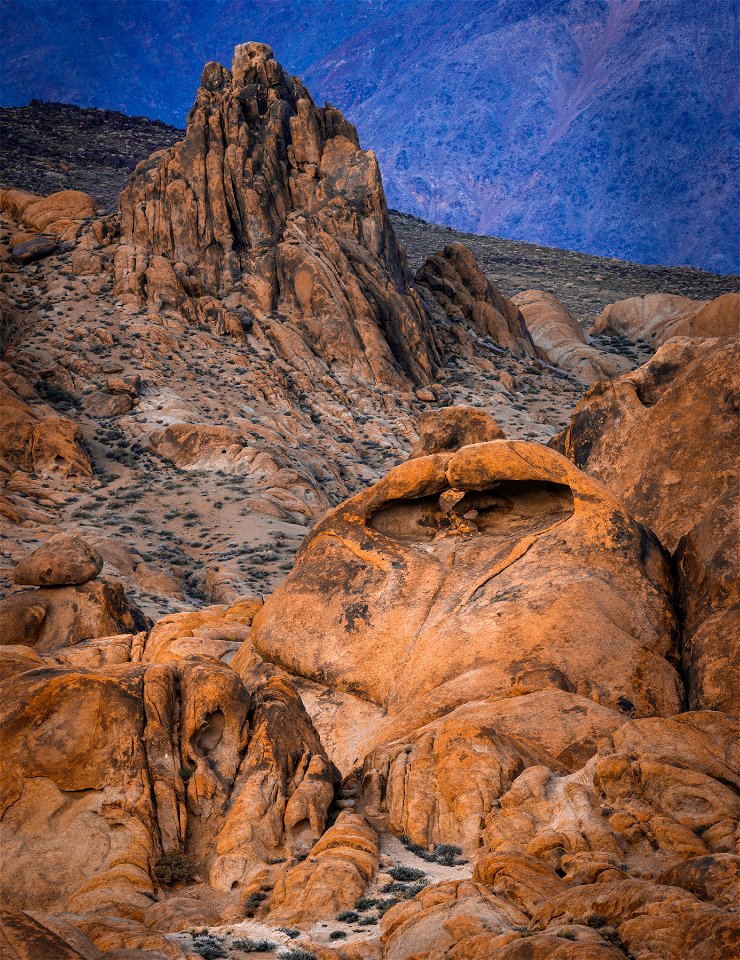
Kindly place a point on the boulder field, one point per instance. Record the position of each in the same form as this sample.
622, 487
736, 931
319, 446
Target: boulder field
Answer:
490, 709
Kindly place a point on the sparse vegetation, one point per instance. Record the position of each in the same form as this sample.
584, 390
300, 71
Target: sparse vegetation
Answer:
174, 867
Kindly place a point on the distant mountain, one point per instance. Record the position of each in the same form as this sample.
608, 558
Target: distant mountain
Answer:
607, 126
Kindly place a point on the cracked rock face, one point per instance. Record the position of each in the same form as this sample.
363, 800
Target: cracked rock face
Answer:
269, 213
494, 571
105, 769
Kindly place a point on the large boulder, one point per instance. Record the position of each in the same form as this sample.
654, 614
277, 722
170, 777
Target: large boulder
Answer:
450, 428
495, 571
663, 438
62, 561
659, 316
53, 618
561, 342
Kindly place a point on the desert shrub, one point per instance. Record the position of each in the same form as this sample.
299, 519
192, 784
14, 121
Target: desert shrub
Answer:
174, 867
348, 916
56, 395
288, 953
385, 905
366, 903
596, 920
208, 947
252, 946
406, 873
337, 935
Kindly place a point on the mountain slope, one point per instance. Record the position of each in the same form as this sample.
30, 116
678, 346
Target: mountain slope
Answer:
607, 126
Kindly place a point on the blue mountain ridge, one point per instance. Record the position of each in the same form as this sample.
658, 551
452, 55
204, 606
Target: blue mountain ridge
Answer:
605, 126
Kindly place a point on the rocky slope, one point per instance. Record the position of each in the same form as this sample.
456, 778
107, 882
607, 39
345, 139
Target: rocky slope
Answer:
490, 711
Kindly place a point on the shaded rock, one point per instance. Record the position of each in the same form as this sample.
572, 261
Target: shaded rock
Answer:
101, 404
659, 316
24, 937
561, 342
282, 791
36, 438
62, 561
465, 295
134, 760
661, 437
715, 878
450, 428
707, 563
332, 878
35, 248
51, 618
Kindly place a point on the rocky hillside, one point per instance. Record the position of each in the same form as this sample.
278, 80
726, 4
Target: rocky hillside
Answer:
353, 607
608, 127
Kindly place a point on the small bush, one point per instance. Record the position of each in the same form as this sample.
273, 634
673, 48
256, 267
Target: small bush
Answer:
567, 934
365, 903
348, 916
252, 946
406, 873
56, 395
288, 953
290, 932
209, 947
385, 905
337, 935
596, 920
174, 867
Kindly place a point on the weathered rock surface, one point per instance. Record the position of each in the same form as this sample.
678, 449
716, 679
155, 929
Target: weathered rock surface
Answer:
450, 428
494, 571
131, 761
663, 438
60, 214
62, 561
659, 316
35, 438
52, 618
268, 212
707, 561
332, 878
467, 296
561, 342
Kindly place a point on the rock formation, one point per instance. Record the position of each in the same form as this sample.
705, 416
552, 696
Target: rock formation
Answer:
486, 714
658, 316
468, 297
663, 439
269, 213
440, 564
635, 434
561, 342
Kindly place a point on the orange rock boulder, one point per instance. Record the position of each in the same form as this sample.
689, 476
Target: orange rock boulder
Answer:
496, 571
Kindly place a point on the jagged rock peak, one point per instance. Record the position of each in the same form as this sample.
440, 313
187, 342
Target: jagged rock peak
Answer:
268, 210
